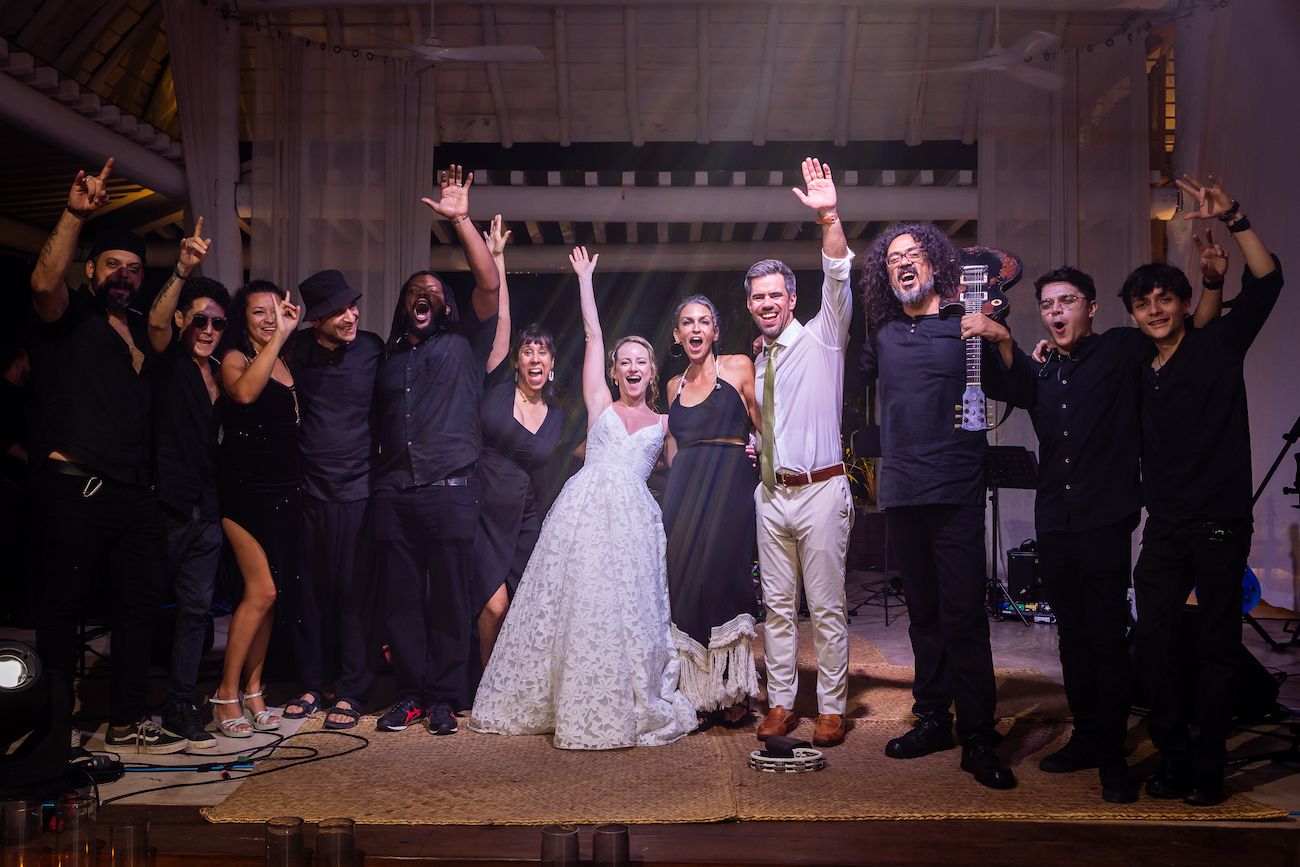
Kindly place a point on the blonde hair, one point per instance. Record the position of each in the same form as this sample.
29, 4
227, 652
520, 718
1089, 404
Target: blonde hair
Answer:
652, 392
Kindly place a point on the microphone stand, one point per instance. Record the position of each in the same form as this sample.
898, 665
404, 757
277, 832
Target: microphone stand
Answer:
1289, 440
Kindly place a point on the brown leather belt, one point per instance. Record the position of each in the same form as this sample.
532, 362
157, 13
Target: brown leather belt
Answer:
794, 480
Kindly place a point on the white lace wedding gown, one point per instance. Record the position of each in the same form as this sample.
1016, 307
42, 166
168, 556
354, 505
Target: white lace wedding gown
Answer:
586, 650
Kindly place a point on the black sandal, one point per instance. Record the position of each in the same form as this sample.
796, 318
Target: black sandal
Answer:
354, 715
308, 707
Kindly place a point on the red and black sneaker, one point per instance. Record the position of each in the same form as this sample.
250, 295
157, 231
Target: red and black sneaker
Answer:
400, 717
442, 721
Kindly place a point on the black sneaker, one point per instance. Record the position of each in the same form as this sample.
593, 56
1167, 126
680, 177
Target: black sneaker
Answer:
979, 759
183, 719
1117, 786
442, 721
146, 736
1076, 755
1170, 780
400, 717
930, 733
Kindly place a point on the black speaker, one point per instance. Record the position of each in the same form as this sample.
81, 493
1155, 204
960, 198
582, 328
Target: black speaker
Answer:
1022, 575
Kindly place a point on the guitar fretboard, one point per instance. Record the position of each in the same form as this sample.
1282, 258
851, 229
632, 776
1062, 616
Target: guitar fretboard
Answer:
974, 281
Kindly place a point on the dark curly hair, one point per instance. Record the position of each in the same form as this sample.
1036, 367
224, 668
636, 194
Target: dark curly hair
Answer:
531, 334
878, 299
1152, 277
398, 329
1076, 278
202, 287
236, 334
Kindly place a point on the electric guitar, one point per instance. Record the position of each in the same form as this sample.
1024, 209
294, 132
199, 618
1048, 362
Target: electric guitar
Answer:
980, 294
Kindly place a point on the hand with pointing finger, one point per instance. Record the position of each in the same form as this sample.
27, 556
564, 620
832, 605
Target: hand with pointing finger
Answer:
194, 249
89, 192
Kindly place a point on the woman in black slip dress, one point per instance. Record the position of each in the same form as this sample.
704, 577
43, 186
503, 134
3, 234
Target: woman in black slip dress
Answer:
258, 478
709, 517
521, 428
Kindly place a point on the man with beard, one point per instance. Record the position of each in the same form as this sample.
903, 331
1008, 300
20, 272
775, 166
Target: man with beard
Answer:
334, 366
804, 506
94, 509
426, 481
931, 478
1083, 399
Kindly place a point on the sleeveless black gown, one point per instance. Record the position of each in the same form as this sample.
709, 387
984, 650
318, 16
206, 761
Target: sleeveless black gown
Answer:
709, 523
508, 521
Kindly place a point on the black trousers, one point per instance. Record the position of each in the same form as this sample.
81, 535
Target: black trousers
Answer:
425, 543
335, 636
941, 559
115, 536
1086, 576
1168, 569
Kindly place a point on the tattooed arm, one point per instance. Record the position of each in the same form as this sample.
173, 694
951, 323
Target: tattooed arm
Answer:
49, 277
193, 251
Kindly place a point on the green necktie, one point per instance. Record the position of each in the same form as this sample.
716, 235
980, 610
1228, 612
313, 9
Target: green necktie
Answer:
769, 413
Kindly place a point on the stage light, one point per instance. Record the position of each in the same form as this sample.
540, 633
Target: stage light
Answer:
20, 667
35, 719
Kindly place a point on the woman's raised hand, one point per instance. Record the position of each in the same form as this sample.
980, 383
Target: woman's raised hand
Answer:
286, 318
496, 236
582, 266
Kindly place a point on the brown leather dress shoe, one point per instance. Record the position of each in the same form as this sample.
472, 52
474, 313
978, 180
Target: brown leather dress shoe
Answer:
778, 721
830, 730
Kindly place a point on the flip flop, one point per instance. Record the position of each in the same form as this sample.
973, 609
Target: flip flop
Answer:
308, 707
354, 715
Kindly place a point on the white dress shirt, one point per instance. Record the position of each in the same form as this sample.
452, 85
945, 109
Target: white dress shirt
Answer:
809, 393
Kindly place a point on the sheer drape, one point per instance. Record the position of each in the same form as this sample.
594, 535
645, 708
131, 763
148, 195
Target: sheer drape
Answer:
1237, 68
342, 154
204, 51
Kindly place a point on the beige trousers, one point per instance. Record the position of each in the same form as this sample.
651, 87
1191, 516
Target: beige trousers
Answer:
803, 534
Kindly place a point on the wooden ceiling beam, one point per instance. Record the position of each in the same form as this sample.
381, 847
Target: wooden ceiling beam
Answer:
145, 27
254, 6
702, 78
74, 50
44, 15
489, 19
916, 104
630, 68
970, 125
844, 95
768, 74
562, 76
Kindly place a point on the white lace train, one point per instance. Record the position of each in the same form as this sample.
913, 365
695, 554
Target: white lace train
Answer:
587, 650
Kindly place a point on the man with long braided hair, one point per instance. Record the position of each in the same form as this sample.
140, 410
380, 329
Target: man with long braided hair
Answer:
931, 478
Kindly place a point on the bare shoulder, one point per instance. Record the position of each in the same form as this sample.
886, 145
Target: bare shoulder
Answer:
673, 385
736, 368
234, 360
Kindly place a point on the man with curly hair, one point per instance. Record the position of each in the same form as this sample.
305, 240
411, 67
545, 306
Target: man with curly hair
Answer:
931, 479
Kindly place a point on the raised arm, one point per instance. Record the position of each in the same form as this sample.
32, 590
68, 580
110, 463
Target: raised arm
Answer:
595, 391
831, 323
194, 250
244, 381
1212, 201
454, 206
1214, 264
496, 238
49, 277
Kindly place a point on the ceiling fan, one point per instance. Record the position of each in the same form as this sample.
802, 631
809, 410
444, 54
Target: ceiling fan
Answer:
432, 49
1012, 60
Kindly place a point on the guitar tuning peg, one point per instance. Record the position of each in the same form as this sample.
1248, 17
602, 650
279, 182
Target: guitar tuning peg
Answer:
956, 427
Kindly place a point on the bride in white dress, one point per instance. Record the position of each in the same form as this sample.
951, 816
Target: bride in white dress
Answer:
586, 650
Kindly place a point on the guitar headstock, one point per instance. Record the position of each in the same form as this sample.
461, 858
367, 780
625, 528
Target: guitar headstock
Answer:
972, 414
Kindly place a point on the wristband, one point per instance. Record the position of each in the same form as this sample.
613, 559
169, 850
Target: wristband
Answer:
1227, 215
74, 212
459, 219
176, 271
1241, 224
1212, 284
828, 220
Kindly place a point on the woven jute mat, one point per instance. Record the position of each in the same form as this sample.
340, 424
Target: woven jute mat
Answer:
477, 779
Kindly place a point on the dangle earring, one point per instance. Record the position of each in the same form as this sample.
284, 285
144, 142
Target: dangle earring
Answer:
677, 351
550, 375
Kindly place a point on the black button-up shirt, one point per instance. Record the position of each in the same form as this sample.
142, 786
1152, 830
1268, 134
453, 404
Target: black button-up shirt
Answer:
88, 402
427, 398
185, 425
1085, 412
1195, 429
926, 460
336, 398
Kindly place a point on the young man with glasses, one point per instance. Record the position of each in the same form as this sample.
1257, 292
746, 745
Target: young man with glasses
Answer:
95, 512
186, 418
1083, 398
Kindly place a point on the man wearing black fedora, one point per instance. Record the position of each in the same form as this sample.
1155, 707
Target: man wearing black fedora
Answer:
334, 366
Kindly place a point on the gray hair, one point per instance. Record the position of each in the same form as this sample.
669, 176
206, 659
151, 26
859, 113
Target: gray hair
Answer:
703, 301
770, 266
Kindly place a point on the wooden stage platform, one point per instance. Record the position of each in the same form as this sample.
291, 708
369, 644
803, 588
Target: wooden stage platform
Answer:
183, 837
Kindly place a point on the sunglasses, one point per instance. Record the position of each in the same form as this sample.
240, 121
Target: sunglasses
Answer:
200, 321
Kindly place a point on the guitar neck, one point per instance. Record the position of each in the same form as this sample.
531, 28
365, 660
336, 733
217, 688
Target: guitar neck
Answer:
974, 281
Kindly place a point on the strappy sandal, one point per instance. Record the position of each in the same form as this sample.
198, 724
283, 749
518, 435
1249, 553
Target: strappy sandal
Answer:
308, 707
259, 720
351, 712
227, 727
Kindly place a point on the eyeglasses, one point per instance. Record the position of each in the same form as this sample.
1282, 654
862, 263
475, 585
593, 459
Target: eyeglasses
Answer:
1065, 302
914, 255
200, 321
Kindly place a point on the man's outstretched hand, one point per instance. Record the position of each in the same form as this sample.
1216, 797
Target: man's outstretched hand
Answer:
90, 192
821, 189
1211, 201
454, 203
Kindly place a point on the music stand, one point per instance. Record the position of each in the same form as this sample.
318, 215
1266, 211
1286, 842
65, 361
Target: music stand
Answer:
1007, 467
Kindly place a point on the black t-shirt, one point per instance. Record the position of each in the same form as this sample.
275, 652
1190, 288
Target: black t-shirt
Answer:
1195, 427
185, 425
88, 402
336, 400
427, 397
1085, 412
13, 430
926, 460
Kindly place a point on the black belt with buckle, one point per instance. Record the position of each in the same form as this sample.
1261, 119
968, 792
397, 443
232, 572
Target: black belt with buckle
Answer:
454, 481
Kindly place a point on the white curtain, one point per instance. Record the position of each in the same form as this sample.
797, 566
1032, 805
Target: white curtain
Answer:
342, 154
1063, 180
204, 51
1236, 73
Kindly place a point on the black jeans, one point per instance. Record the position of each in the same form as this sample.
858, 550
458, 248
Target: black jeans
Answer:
941, 559
193, 560
1086, 576
114, 535
424, 538
335, 635
1169, 567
